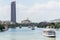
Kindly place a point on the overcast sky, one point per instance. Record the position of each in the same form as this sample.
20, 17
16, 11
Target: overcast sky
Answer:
35, 10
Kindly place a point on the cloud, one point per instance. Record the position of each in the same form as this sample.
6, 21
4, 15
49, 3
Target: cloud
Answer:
45, 11
37, 7
5, 12
50, 5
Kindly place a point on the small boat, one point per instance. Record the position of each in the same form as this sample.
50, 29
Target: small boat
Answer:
20, 27
29, 26
33, 27
49, 33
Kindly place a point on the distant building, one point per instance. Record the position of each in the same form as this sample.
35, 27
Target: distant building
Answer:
0, 22
5, 22
55, 21
13, 11
27, 21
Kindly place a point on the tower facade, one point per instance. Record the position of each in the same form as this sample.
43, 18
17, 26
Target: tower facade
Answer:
13, 11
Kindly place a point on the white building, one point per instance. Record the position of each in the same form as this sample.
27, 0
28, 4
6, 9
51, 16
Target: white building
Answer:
27, 21
55, 21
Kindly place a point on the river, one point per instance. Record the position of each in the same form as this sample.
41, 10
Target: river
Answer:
26, 33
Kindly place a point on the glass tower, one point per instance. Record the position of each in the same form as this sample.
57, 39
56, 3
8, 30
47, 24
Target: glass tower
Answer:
13, 11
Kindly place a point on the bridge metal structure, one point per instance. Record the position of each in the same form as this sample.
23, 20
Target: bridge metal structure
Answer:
23, 25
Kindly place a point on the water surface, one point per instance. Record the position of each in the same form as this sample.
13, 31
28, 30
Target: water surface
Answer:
26, 33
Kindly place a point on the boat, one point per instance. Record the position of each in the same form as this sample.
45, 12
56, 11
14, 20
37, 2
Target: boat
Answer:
20, 27
29, 26
49, 33
33, 27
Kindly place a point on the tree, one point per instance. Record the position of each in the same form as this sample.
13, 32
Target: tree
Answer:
57, 25
52, 25
2, 27
43, 24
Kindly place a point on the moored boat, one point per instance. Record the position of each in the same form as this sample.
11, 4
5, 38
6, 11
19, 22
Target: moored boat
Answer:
49, 33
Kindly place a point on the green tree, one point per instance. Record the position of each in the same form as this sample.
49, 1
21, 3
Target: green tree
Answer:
57, 25
2, 27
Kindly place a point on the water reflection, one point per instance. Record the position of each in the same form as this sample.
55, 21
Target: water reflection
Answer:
49, 38
13, 34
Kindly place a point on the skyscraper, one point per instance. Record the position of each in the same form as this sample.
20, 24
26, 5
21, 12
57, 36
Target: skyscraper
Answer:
13, 11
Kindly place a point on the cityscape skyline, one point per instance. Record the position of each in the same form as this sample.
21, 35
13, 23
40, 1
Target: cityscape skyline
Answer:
33, 9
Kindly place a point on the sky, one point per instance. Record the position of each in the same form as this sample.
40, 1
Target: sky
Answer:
35, 10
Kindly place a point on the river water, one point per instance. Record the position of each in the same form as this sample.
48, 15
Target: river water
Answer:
26, 33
